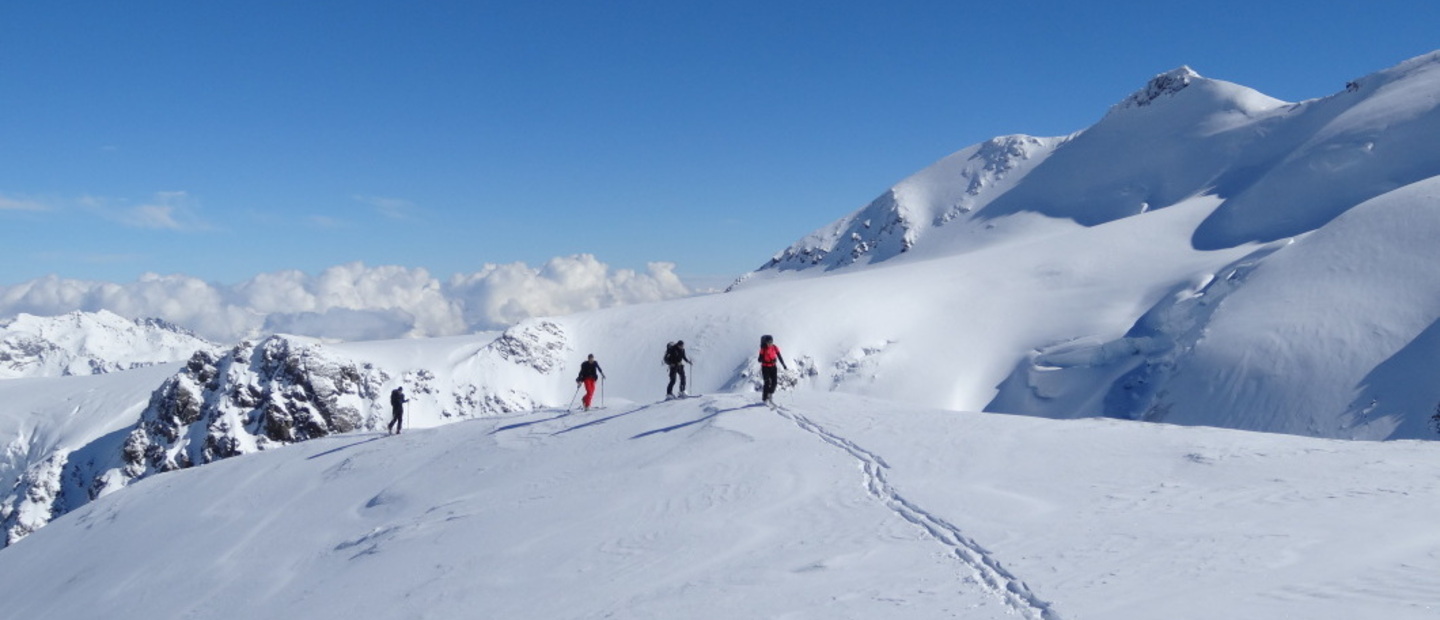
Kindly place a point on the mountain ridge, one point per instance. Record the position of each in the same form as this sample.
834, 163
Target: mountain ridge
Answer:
82, 343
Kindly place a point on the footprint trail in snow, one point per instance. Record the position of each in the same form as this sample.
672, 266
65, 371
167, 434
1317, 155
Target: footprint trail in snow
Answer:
988, 571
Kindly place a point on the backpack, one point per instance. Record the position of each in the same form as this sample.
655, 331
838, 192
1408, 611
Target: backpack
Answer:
768, 354
672, 354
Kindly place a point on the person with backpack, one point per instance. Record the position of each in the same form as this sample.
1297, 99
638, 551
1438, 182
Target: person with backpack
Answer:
397, 410
769, 354
589, 372
676, 359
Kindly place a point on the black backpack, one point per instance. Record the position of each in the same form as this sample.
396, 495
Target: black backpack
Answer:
672, 354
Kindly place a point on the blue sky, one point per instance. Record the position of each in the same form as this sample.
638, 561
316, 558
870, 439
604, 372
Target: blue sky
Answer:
227, 139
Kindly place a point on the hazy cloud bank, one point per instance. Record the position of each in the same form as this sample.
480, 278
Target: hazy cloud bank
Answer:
355, 301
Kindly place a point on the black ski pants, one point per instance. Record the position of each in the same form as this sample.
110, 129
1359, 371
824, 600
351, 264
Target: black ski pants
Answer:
676, 370
771, 375
397, 420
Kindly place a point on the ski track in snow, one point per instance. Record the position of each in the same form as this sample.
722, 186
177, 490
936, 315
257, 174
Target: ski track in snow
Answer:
988, 571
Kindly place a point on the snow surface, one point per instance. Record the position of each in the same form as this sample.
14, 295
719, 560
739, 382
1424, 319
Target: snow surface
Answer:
1205, 256
835, 506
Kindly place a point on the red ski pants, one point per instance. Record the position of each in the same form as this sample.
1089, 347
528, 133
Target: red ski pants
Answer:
589, 392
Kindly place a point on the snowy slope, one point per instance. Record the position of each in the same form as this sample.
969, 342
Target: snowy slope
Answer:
49, 424
1332, 335
83, 343
1052, 277
836, 507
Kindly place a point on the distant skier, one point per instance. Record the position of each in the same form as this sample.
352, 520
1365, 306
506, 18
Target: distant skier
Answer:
769, 354
589, 372
676, 359
397, 410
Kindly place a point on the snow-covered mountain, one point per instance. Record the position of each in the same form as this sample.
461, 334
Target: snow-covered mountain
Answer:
1276, 169
1326, 207
83, 343
1203, 256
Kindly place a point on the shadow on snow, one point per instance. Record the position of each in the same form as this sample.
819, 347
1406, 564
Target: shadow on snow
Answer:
713, 414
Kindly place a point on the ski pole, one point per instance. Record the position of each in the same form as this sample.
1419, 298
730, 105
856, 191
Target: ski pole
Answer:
572, 397
602, 392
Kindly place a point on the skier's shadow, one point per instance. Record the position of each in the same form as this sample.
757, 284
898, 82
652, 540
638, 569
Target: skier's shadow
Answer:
344, 447
681, 425
600, 420
530, 423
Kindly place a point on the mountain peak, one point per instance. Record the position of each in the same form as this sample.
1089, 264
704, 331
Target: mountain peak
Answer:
1164, 84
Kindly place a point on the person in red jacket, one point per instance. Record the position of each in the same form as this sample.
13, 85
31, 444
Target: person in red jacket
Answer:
589, 372
769, 354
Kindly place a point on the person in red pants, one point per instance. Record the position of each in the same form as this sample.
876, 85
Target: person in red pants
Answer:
589, 372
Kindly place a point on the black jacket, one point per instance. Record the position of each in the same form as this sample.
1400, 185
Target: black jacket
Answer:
589, 370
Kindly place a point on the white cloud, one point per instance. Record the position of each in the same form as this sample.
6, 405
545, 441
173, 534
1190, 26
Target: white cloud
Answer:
326, 222
354, 301
396, 208
174, 210
21, 204
505, 294
152, 216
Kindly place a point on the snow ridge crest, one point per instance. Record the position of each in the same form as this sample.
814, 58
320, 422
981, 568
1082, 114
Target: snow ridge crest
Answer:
955, 188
